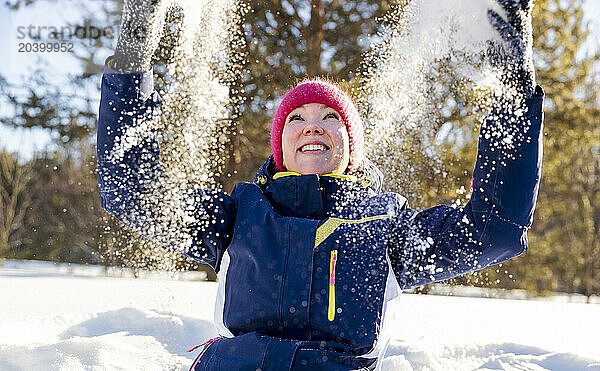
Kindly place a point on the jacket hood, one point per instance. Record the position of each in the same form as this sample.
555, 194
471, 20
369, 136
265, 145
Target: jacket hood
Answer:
316, 196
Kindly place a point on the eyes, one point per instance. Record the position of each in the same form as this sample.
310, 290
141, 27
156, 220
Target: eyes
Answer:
297, 116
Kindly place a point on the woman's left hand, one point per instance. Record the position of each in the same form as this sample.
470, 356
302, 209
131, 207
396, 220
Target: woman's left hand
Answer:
514, 56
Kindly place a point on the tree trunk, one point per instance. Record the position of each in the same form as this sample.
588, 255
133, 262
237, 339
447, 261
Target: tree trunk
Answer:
590, 231
314, 39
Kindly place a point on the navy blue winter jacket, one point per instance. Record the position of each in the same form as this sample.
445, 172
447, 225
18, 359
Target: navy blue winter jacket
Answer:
306, 263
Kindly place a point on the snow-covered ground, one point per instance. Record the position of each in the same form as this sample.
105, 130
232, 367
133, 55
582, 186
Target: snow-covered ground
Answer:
53, 317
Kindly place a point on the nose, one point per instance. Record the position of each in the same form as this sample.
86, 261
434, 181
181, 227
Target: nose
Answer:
312, 128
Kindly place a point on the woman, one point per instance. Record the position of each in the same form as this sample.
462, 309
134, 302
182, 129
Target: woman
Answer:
310, 252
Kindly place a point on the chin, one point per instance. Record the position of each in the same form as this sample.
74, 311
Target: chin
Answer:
320, 170
315, 169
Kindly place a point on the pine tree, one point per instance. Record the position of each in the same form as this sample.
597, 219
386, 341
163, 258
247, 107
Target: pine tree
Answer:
14, 201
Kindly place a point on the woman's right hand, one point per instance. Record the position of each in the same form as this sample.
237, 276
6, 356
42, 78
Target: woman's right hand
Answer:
141, 30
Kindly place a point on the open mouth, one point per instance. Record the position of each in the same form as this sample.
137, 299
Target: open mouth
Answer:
313, 148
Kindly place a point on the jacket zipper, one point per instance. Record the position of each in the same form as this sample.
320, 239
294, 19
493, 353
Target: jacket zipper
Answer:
332, 262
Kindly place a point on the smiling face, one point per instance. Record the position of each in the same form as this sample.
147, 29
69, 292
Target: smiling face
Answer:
315, 140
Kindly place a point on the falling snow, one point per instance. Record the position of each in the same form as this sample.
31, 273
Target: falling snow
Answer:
400, 96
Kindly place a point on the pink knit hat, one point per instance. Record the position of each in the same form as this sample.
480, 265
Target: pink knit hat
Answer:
324, 92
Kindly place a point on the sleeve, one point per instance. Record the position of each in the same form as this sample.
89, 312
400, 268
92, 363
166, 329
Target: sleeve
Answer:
195, 222
442, 242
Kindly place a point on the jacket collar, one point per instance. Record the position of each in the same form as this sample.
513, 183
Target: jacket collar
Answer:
315, 196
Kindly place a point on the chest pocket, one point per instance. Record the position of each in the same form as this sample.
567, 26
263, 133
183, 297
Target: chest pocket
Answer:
349, 279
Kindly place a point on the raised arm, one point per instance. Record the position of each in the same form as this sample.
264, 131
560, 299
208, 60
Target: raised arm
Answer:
443, 242
133, 187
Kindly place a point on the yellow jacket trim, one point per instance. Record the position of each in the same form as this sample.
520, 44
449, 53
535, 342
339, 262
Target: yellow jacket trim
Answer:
331, 224
351, 178
110, 63
282, 174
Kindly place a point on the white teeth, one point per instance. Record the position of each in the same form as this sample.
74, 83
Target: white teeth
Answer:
313, 147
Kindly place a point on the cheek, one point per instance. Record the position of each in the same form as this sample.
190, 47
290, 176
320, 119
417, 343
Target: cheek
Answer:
342, 140
287, 140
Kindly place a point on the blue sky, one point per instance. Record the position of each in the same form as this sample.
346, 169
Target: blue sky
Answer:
17, 65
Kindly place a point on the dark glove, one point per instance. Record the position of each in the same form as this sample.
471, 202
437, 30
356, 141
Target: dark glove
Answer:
513, 57
141, 30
